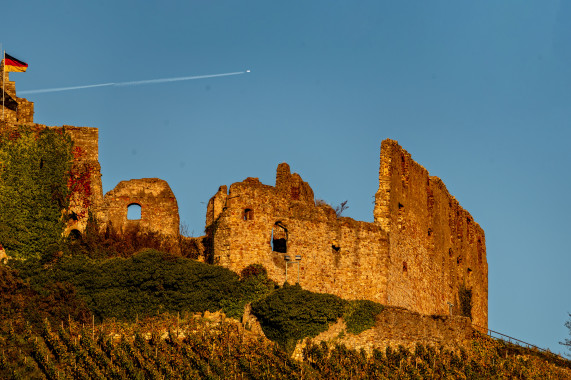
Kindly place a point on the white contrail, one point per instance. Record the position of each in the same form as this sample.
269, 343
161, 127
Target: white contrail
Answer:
64, 88
133, 83
164, 80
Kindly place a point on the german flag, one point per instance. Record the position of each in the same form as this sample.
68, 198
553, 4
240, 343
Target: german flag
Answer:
13, 64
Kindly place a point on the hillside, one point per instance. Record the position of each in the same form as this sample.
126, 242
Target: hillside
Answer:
65, 319
211, 347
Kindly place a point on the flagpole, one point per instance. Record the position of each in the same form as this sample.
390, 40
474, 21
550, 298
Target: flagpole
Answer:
3, 79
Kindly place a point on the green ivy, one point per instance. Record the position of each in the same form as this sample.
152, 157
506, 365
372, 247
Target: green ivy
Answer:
465, 300
34, 168
360, 315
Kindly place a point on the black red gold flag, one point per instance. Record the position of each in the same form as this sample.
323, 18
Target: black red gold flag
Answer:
14, 64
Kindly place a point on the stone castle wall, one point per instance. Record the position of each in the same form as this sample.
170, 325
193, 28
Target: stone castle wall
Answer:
435, 245
159, 209
159, 206
263, 224
85, 177
397, 326
421, 248
16, 110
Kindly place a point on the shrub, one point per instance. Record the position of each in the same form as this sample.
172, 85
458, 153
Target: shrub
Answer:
291, 313
360, 315
147, 283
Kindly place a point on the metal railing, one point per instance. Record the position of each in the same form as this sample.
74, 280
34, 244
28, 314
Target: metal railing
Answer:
506, 338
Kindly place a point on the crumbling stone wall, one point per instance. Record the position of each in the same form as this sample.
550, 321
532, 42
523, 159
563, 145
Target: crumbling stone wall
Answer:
159, 208
86, 176
338, 255
421, 248
16, 110
435, 245
397, 326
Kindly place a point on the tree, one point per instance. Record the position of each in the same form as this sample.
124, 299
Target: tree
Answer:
340, 208
567, 342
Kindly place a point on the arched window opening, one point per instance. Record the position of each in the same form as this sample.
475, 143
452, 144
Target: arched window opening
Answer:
248, 214
279, 238
134, 211
404, 267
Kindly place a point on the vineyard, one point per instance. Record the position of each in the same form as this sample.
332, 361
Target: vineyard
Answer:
194, 347
65, 320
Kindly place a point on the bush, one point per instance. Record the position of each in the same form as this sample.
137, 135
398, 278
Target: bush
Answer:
291, 313
360, 315
254, 285
145, 284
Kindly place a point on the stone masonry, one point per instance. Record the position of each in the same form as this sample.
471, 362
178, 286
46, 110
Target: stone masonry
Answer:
421, 248
396, 326
158, 204
159, 209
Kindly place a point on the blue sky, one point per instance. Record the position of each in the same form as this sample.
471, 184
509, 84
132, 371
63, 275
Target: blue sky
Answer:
478, 93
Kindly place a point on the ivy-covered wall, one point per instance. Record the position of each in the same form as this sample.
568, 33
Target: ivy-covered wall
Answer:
34, 172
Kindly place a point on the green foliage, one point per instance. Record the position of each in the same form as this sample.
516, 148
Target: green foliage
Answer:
465, 299
207, 350
34, 168
291, 313
254, 285
148, 283
23, 310
100, 243
360, 315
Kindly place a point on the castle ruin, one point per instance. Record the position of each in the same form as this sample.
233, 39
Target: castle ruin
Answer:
419, 252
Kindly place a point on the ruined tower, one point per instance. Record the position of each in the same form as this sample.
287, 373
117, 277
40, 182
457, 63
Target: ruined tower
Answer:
421, 252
